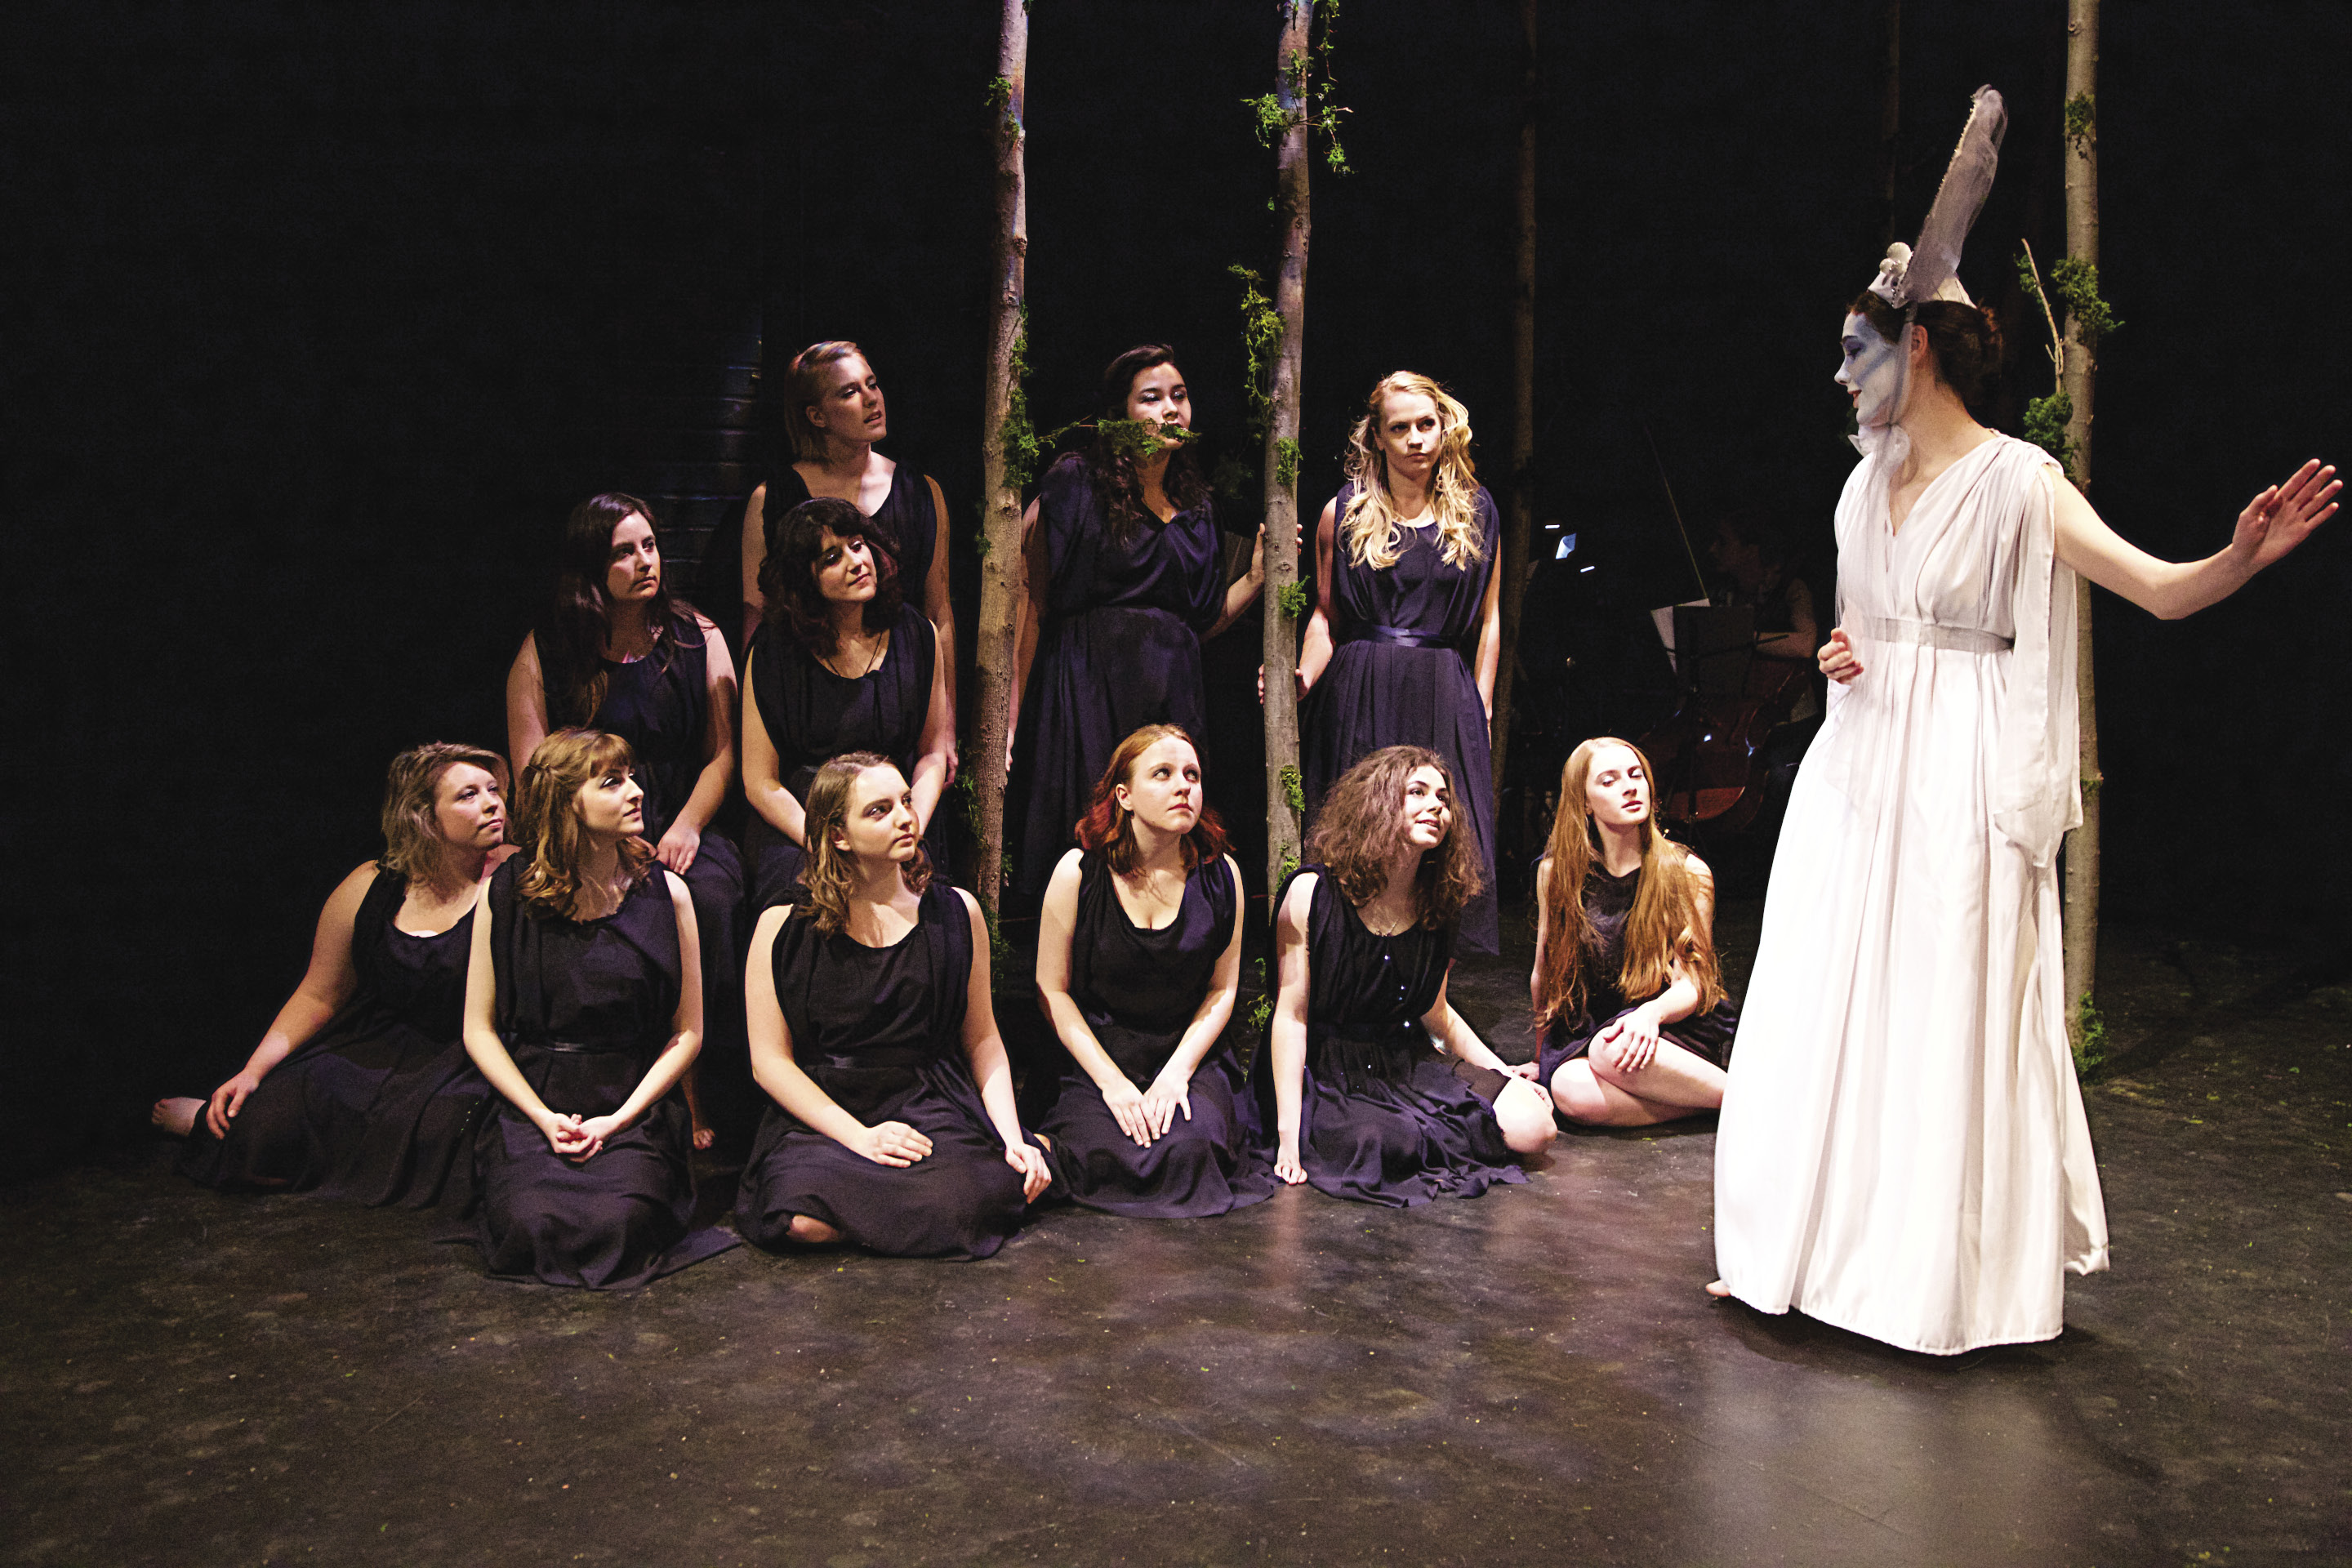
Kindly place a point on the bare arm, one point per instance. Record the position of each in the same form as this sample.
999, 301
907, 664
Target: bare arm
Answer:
1315, 653
754, 543
2273, 523
939, 610
1217, 1008
685, 1028
1803, 635
935, 762
1456, 1038
682, 839
984, 1048
1244, 590
1489, 655
526, 705
1288, 1048
326, 985
1543, 933
764, 783
1057, 924
891, 1143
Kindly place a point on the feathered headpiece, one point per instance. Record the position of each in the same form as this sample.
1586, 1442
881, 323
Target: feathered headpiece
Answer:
1911, 275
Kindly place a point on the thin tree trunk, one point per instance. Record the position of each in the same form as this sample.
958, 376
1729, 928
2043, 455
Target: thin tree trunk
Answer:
1282, 774
1890, 119
1518, 536
2082, 156
1001, 573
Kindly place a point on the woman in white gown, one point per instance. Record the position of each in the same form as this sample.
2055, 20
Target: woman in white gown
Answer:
1903, 1150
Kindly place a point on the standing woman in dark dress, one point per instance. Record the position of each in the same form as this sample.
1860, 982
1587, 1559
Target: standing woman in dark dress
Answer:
1626, 988
1349, 1092
893, 1125
614, 652
362, 1088
1126, 579
839, 664
584, 1009
1407, 630
1139, 958
834, 415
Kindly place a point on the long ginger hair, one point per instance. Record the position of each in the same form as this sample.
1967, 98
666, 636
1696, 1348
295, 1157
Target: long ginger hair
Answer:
1369, 529
547, 826
1361, 824
830, 871
1662, 932
1109, 826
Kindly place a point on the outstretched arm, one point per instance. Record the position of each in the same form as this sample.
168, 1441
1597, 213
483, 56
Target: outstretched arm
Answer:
2273, 523
326, 985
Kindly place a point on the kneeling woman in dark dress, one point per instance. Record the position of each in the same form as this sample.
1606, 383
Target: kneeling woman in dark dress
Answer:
362, 1088
1349, 1091
583, 1008
1626, 988
894, 1125
1139, 958
841, 664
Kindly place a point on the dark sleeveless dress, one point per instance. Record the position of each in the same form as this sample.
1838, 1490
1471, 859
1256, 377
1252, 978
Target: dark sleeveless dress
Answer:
813, 715
1120, 648
664, 709
378, 1107
1139, 990
1384, 1118
880, 1029
907, 516
1607, 902
1400, 676
584, 1007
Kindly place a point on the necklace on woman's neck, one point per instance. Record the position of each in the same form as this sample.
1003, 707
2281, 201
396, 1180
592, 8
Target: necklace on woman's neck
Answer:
876, 643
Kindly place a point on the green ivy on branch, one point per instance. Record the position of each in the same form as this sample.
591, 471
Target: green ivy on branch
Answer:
1295, 601
2077, 283
1311, 87
2047, 418
1261, 343
1294, 786
2082, 121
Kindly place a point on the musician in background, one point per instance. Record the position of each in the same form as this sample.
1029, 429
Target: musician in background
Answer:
1750, 558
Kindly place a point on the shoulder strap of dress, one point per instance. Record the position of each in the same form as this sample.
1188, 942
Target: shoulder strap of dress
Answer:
377, 906
948, 929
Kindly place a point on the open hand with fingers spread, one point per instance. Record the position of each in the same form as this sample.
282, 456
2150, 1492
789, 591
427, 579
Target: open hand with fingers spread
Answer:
2283, 516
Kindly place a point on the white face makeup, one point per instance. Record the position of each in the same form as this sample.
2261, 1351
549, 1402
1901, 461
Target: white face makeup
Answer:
1871, 372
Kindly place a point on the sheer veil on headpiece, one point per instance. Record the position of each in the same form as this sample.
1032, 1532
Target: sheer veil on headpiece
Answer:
1912, 275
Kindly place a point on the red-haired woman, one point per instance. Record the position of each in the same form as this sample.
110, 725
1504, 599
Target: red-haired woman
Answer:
361, 1088
1625, 986
1139, 958
583, 1008
893, 1126
1349, 1091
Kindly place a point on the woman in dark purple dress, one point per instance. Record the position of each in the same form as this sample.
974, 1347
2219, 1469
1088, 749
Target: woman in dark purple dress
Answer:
1407, 630
615, 652
1350, 1094
1626, 989
840, 665
584, 1009
1126, 578
893, 1126
362, 1088
1139, 958
833, 413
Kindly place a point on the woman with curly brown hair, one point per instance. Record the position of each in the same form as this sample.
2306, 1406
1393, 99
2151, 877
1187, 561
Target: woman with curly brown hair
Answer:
1126, 578
583, 1008
840, 665
361, 1087
1626, 990
893, 1126
1349, 1092
1407, 630
1139, 958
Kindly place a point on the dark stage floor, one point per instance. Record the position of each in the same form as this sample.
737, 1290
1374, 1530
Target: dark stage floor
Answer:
1532, 1376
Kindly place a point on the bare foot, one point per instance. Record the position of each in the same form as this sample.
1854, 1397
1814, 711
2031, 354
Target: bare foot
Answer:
811, 1231
176, 1115
1718, 1289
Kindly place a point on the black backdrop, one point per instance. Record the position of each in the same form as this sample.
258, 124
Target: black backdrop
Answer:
317, 318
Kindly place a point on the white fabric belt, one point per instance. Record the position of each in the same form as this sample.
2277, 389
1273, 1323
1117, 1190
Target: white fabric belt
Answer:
1928, 634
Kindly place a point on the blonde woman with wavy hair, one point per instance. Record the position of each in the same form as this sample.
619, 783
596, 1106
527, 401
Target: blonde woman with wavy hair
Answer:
362, 1088
893, 1125
583, 1008
1407, 630
1636, 1029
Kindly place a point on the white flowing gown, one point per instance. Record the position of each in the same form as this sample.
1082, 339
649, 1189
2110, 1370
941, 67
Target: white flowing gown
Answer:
1903, 1150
